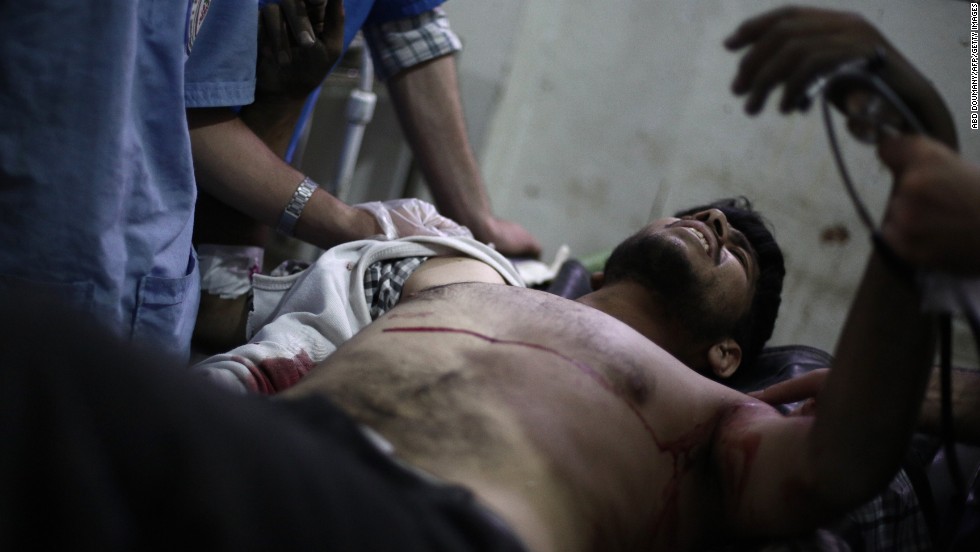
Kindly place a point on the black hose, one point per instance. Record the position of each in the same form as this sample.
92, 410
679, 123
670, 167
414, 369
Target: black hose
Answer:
891, 259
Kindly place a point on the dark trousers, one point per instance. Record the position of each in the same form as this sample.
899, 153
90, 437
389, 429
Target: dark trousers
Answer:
106, 447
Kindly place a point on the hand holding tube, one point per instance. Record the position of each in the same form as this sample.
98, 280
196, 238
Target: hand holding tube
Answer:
795, 47
933, 217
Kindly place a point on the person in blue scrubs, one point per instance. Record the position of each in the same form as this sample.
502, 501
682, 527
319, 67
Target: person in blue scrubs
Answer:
96, 180
97, 183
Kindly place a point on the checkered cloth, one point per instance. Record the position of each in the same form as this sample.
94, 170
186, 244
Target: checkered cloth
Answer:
384, 280
893, 520
400, 44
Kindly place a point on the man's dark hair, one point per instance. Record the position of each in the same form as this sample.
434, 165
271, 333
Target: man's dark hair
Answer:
756, 327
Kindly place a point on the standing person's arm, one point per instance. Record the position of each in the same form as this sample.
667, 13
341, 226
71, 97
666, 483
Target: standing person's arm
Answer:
300, 43
785, 474
414, 56
235, 166
426, 98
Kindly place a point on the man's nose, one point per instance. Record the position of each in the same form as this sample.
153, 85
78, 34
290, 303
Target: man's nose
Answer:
717, 221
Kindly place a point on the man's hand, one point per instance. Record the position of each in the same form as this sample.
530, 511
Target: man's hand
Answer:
933, 217
299, 42
794, 46
399, 218
508, 238
803, 388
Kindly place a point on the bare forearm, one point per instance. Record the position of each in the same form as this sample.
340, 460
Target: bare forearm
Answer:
273, 121
869, 406
805, 470
235, 166
427, 100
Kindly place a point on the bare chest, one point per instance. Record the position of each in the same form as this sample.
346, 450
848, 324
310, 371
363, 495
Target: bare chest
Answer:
538, 395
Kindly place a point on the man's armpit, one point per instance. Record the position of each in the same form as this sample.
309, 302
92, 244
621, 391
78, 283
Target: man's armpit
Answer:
440, 271
758, 452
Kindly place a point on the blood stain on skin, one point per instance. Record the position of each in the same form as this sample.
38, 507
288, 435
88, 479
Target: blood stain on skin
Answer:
739, 445
740, 448
680, 449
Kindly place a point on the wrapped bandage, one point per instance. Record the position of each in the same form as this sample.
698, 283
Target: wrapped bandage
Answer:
226, 270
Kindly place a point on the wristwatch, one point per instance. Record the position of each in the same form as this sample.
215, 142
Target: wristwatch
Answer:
303, 193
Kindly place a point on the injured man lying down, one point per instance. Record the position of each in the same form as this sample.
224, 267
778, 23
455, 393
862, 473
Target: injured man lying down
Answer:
473, 414
604, 422
478, 416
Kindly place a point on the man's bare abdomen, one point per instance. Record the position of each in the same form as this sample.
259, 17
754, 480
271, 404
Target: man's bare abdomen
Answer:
518, 393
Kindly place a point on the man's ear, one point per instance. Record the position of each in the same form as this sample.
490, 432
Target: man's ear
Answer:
724, 357
597, 280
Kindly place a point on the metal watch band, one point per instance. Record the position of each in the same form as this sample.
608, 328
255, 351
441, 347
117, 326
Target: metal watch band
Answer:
303, 193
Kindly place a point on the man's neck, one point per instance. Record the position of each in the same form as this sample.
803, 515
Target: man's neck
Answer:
642, 310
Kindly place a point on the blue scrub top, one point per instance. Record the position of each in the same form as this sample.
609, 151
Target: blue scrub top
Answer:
221, 69
96, 181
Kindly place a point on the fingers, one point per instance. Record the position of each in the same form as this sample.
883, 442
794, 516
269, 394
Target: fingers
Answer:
512, 239
316, 12
793, 47
298, 22
750, 31
802, 76
799, 388
806, 408
792, 68
444, 226
759, 81
332, 31
767, 44
273, 31
790, 51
